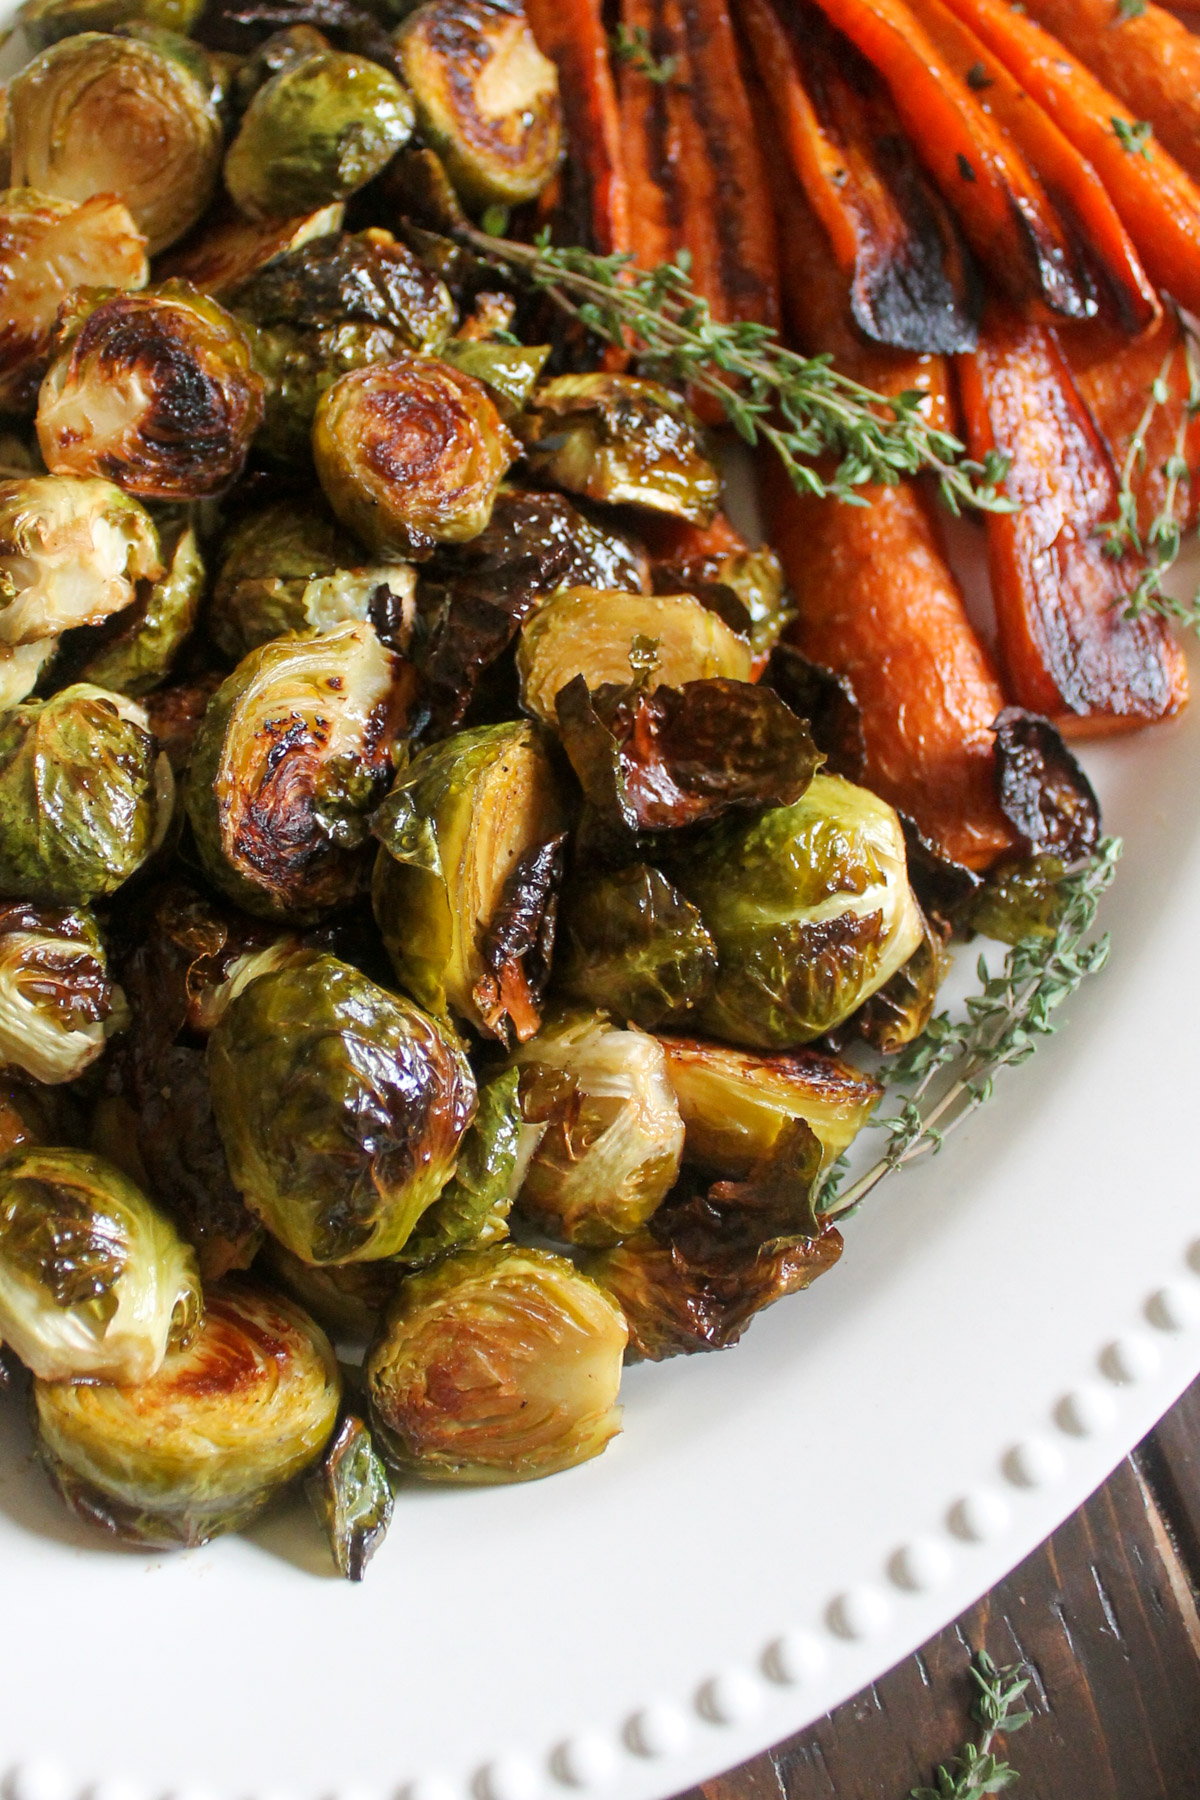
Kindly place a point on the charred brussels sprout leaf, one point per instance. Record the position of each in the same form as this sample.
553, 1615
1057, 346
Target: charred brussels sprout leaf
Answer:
292, 754
365, 279
682, 756
464, 884
829, 704
352, 1498
410, 454
623, 441
810, 909
58, 1007
487, 99
474, 1207
205, 1444
496, 1365
753, 579
630, 944
71, 553
341, 1106
94, 1283
508, 371
592, 633
222, 255
84, 796
44, 22
154, 390
96, 114
48, 247
613, 1135
1042, 790
135, 653
317, 132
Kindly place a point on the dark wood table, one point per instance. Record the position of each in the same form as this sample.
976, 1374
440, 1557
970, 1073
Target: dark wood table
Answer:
1106, 1616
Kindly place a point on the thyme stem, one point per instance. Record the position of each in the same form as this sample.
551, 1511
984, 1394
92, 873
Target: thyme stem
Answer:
976, 1770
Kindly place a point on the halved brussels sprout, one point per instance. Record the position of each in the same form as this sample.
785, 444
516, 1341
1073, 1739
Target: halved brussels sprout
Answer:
630, 944
590, 632
84, 796
735, 1104
496, 1365
613, 1134
71, 553
203, 1446
21, 666
463, 889
290, 759
50, 247
96, 114
223, 255
293, 568
367, 278
44, 22
474, 1207
623, 441
352, 1498
754, 578
316, 132
137, 651
94, 1282
487, 99
346, 1299
341, 1106
410, 454
155, 390
509, 372
58, 1007
810, 909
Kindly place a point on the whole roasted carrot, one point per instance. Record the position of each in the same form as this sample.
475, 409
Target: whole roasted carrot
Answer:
1004, 213
1073, 185
1158, 202
1066, 646
596, 201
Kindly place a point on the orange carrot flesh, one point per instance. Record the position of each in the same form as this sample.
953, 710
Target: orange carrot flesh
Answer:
1078, 195
1066, 647
1159, 204
1004, 213
571, 33
648, 149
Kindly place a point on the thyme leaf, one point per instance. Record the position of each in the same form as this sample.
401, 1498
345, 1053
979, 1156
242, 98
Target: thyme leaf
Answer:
1134, 138
631, 44
1129, 9
977, 1770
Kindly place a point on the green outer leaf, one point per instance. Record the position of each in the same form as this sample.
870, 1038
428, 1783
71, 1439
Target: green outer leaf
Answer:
352, 1497
474, 1205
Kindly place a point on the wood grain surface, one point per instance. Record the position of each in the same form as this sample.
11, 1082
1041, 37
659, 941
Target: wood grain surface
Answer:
1105, 1614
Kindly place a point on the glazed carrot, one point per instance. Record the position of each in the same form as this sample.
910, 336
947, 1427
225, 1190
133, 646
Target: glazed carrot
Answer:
649, 150
1159, 204
1070, 181
1150, 60
675, 540
890, 233
1004, 213
1066, 647
596, 199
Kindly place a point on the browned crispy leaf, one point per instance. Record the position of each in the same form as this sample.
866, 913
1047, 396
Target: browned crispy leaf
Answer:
519, 945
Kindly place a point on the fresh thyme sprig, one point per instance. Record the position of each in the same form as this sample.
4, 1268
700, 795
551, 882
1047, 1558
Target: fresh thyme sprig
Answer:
1135, 138
948, 1072
631, 44
801, 406
976, 1770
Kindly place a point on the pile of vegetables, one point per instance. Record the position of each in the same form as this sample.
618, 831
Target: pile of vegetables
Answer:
460, 900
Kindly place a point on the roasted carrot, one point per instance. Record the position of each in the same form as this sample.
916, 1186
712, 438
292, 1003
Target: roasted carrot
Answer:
890, 232
1148, 59
1159, 204
1004, 213
1077, 193
676, 541
1066, 646
596, 195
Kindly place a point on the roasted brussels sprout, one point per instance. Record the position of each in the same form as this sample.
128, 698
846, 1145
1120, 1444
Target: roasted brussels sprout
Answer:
900, 1010
94, 1282
21, 666
154, 390
58, 1007
135, 652
473, 1208
96, 114
346, 1299
292, 754
203, 1446
298, 365
623, 441
736, 1104
509, 372
755, 580
84, 796
222, 256
613, 1134
810, 909
497, 1364
71, 553
410, 454
487, 99
590, 632
352, 1498
364, 279
464, 884
341, 1107
630, 944
44, 22
293, 568
48, 247
316, 132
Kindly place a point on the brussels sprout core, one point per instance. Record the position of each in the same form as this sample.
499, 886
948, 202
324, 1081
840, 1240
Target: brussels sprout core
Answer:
58, 1007
205, 1444
71, 553
94, 1283
20, 667
497, 1365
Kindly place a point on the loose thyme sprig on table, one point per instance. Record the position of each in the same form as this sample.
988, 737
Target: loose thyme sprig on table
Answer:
801, 406
976, 1770
1003, 1025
